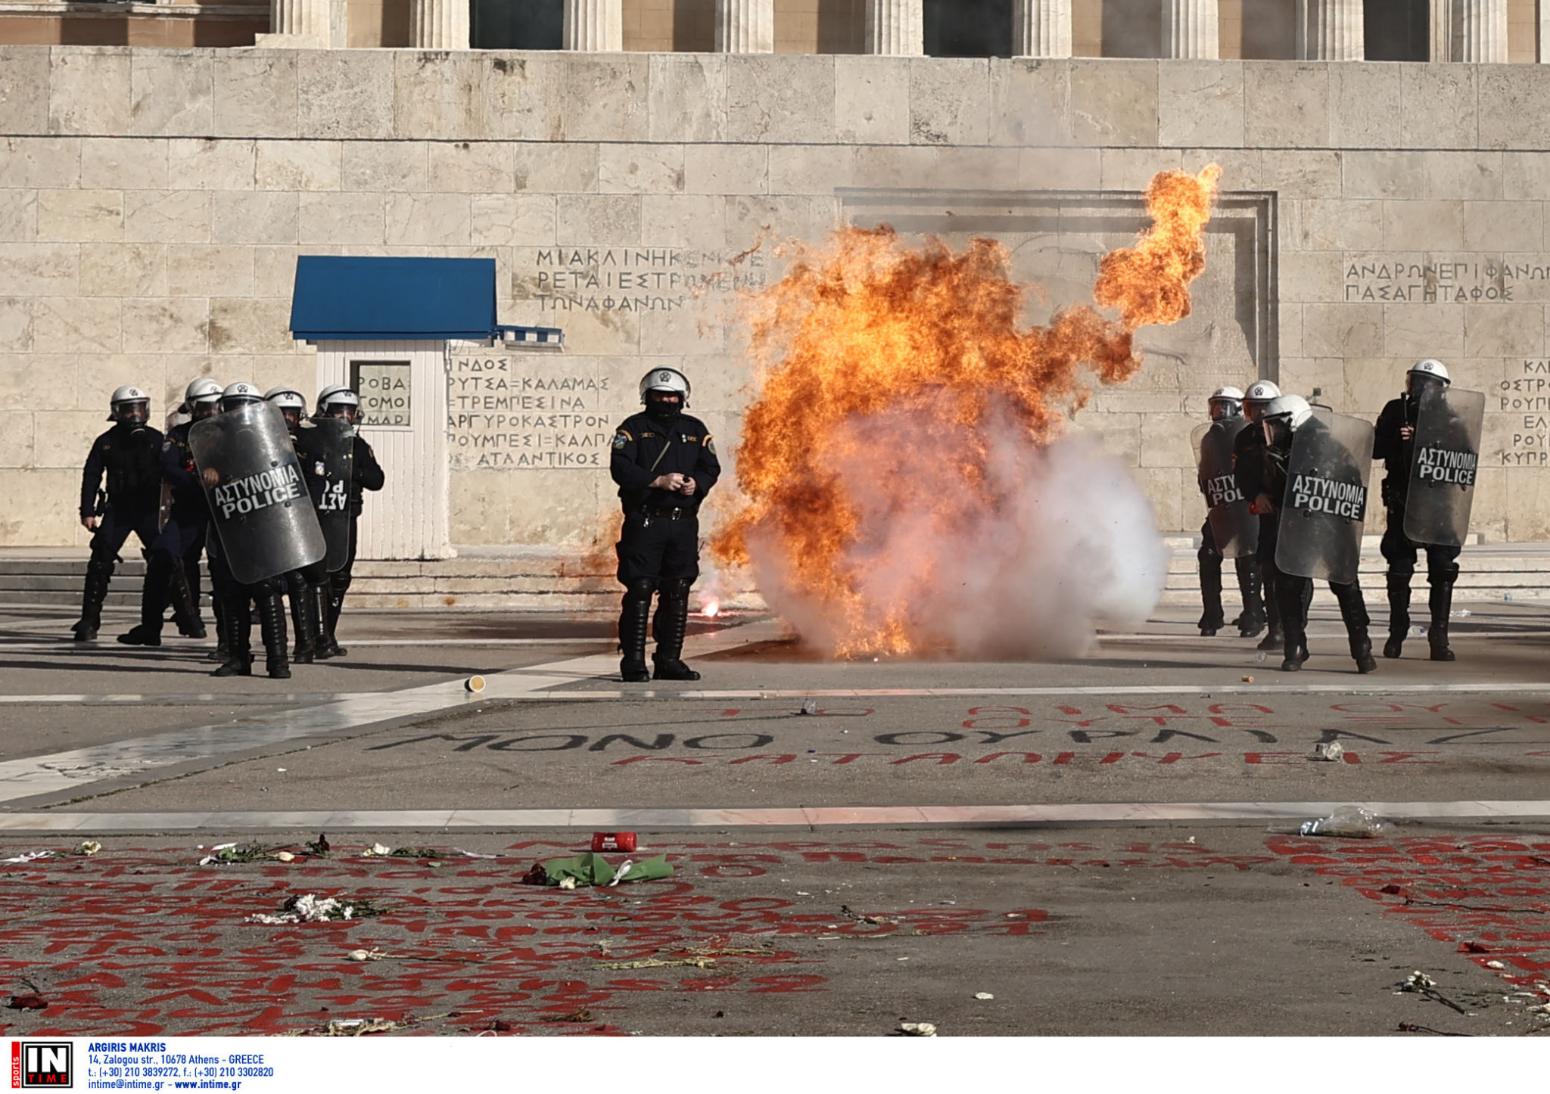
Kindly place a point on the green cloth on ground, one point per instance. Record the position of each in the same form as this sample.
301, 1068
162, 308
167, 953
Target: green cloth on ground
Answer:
593, 869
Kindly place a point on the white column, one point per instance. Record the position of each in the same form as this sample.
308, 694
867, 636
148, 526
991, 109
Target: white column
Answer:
745, 26
594, 26
1041, 28
1542, 53
1330, 30
895, 28
1480, 31
296, 23
438, 24
1442, 30
1191, 29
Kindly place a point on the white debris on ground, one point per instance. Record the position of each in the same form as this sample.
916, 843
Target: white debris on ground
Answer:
307, 909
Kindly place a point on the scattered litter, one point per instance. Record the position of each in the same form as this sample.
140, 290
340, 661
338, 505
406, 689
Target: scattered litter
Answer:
284, 856
613, 841
30, 1001
1248, 679
319, 846
624, 868
918, 1029
592, 869
1417, 632
366, 955
30, 856
660, 963
1494, 965
473, 854
280, 770
309, 909
582, 1015
355, 1027
983, 995
1422, 984
474, 684
223, 854
87, 847
874, 920
377, 849
1346, 822
809, 707
1328, 750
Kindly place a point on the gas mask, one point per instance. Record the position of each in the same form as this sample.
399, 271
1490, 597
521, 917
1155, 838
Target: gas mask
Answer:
664, 405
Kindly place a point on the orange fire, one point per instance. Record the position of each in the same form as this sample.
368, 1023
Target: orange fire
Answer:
869, 345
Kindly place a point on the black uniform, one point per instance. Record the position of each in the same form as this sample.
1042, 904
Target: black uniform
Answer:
1294, 592
128, 455
366, 474
659, 545
172, 563
1398, 549
1209, 560
307, 589
1248, 469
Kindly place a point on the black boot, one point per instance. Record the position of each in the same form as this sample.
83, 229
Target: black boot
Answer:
304, 615
1399, 614
1211, 619
328, 615
669, 628
1294, 641
331, 622
1274, 638
632, 632
95, 592
185, 608
222, 649
1361, 653
153, 602
1441, 604
1252, 619
271, 624
235, 620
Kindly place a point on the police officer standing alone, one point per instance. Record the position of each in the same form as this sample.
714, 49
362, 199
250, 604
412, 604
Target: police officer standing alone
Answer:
1394, 444
338, 401
664, 463
129, 455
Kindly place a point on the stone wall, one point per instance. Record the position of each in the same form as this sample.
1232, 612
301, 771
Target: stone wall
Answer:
152, 205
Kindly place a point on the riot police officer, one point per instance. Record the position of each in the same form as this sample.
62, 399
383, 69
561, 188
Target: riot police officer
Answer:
664, 463
172, 564
1283, 419
238, 599
304, 588
338, 401
1248, 471
1226, 407
1394, 444
128, 454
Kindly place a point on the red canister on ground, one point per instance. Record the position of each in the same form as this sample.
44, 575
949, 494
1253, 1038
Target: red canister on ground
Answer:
613, 841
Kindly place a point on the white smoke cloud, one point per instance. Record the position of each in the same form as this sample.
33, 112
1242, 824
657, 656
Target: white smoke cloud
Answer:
1022, 563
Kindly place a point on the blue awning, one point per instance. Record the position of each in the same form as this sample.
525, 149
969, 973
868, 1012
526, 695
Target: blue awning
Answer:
341, 298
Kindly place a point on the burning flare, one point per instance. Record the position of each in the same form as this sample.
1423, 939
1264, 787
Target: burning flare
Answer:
901, 434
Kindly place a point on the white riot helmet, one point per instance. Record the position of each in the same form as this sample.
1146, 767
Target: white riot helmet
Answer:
338, 401
1432, 369
292, 403
1225, 402
200, 398
665, 379
325, 393
129, 404
1260, 393
240, 394
1283, 415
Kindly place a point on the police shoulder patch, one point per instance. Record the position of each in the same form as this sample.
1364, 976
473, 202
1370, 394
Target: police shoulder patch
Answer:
621, 439
710, 444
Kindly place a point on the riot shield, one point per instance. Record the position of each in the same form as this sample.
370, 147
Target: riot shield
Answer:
257, 494
327, 451
1325, 504
1235, 529
1448, 424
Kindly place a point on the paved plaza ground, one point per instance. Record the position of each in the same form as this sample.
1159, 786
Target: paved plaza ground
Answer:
1101, 846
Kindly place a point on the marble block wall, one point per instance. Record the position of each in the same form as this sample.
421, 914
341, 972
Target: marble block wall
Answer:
153, 203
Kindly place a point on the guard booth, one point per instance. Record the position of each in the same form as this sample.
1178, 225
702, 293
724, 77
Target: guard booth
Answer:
386, 328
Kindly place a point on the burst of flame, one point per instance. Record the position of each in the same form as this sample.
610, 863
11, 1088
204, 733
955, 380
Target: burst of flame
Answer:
867, 329
711, 608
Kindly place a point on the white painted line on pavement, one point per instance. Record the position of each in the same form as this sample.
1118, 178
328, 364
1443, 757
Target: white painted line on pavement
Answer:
1506, 688
138, 757
801, 816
